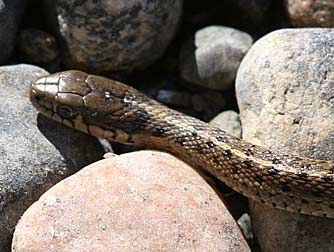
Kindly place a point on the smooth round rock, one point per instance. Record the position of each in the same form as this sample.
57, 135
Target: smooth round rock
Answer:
285, 94
116, 35
10, 16
35, 152
212, 58
311, 13
140, 201
228, 121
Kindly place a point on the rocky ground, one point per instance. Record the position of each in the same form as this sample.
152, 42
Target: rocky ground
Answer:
258, 69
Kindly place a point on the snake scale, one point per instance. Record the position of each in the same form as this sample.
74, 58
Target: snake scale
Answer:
109, 109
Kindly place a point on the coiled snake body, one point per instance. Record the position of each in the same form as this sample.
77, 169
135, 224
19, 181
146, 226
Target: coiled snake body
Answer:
115, 111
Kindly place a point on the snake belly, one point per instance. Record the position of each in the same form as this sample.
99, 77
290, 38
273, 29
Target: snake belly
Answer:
112, 110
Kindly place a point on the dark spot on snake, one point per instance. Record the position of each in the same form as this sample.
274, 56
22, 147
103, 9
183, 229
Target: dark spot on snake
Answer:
158, 132
276, 161
65, 111
227, 153
194, 134
306, 167
331, 206
272, 171
248, 152
248, 163
210, 144
302, 175
222, 139
274, 204
258, 179
327, 178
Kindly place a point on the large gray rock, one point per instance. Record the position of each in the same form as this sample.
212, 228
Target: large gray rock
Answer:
212, 58
116, 35
35, 152
285, 90
140, 201
10, 16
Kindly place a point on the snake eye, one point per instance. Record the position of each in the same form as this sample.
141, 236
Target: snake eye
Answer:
65, 111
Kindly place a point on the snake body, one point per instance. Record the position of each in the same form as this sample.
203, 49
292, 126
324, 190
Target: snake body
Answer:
112, 110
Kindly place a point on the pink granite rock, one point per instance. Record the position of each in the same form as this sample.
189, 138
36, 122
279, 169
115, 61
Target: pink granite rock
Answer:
141, 201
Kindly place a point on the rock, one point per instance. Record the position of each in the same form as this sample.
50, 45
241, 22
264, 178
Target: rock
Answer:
310, 13
35, 152
116, 35
245, 225
285, 94
38, 47
212, 58
255, 10
10, 16
139, 201
174, 98
229, 122
208, 103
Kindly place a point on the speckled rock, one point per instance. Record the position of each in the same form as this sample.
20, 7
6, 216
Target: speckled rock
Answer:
212, 58
228, 121
285, 94
141, 201
38, 47
10, 16
35, 152
311, 13
116, 35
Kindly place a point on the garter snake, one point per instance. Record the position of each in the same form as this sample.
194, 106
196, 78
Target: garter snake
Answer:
112, 110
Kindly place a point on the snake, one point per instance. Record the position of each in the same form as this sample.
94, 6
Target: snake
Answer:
117, 112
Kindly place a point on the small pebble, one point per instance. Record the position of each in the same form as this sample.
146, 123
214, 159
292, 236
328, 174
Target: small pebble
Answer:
229, 122
37, 46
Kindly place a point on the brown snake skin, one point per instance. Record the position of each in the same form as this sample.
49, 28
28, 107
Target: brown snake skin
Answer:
115, 111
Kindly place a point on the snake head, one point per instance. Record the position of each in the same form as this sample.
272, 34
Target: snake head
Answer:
93, 104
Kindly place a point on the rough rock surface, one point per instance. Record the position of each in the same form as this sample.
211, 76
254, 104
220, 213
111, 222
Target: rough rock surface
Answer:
311, 13
212, 58
228, 121
140, 201
35, 152
116, 35
285, 94
10, 16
